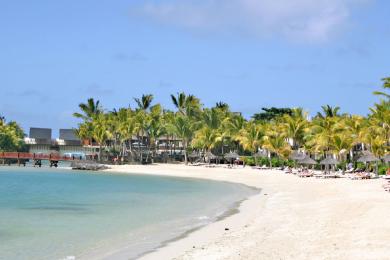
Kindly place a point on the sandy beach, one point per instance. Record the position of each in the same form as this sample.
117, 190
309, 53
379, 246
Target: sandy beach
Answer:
291, 218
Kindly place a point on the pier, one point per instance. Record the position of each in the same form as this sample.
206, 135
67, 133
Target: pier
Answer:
21, 158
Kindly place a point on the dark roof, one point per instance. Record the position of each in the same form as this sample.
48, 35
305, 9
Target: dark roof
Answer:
40, 133
307, 160
231, 155
210, 156
68, 135
329, 161
368, 157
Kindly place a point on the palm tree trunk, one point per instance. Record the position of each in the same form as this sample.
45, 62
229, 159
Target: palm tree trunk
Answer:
139, 148
100, 153
185, 152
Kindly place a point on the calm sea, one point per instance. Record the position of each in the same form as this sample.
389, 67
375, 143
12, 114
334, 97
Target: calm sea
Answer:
59, 214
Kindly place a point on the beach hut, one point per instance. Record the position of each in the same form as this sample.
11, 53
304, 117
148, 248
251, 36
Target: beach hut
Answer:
307, 160
328, 161
209, 156
297, 156
231, 156
194, 155
368, 157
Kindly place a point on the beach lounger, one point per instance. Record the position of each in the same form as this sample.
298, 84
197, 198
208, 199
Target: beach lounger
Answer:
305, 174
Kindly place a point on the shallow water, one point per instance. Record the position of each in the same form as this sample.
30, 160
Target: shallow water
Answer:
53, 213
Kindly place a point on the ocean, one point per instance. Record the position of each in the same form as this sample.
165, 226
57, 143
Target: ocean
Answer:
62, 214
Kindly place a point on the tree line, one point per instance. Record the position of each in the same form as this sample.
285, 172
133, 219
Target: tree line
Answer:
277, 131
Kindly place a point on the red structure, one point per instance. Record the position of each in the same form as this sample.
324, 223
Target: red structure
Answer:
35, 156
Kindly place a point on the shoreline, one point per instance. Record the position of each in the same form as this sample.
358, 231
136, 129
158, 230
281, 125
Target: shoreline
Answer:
281, 221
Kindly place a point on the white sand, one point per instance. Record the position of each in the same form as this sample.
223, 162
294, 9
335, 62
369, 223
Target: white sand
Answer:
292, 218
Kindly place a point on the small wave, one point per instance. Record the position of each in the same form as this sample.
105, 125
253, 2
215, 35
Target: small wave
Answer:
203, 217
70, 257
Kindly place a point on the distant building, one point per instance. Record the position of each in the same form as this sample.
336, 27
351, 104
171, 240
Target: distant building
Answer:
39, 140
68, 144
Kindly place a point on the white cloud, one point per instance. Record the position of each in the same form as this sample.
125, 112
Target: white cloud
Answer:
302, 20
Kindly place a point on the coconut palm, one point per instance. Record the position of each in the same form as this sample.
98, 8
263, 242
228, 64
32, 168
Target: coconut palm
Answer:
277, 144
341, 144
183, 128
319, 135
89, 110
155, 128
294, 126
144, 102
126, 127
251, 137
101, 133
328, 111
187, 105
386, 85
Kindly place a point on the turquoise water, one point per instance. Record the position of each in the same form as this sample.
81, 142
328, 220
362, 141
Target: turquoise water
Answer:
54, 214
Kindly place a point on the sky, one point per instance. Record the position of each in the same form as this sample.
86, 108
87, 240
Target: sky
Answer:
247, 53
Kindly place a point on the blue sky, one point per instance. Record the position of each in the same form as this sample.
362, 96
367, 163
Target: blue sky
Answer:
248, 53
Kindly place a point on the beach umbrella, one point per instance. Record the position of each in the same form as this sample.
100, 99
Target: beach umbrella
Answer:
329, 161
297, 156
210, 156
307, 160
231, 156
194, 154
368, 157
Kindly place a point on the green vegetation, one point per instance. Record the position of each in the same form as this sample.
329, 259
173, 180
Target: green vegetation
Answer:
11, 136
277, 131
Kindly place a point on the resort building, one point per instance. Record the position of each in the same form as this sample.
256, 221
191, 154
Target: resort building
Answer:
68, 144
39, 140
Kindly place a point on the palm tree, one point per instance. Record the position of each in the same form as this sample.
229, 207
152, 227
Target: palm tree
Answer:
89, 110
278, 145
341, 144
184, 129
320, 134
251, 137
294, 127
101, 133
155, 127
328, 111
222, 105
141, 122
187, 105
126, 127
386, 85
144, 102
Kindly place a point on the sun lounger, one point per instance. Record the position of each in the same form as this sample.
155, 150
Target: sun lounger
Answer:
305, 174
326, 175
386, 186
360, 176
